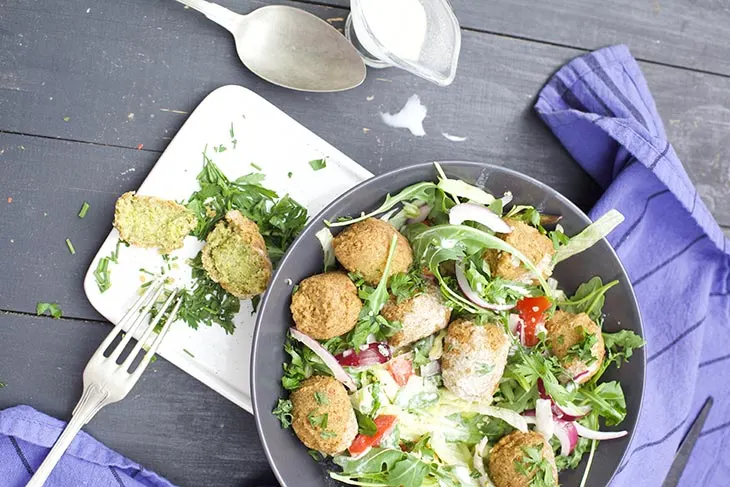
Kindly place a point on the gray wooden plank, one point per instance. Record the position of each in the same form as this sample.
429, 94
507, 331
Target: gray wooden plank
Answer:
687, 33
137, 60
170, 422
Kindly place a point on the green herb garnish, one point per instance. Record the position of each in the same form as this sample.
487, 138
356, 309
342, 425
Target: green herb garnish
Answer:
84, 209
318, 420
406, 285
283, 411
535, 466
317, 164
321, 398
588, 298
53, 309
365, 424
255, 166
70, 246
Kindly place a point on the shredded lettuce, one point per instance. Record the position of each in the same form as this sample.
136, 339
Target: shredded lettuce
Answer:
325, 240
590, 235
458, 188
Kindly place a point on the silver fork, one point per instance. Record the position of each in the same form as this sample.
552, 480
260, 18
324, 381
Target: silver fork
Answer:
106, 382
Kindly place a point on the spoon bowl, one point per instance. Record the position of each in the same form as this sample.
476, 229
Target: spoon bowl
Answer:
290, 47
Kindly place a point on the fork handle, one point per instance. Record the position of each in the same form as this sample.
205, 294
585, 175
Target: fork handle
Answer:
91, 402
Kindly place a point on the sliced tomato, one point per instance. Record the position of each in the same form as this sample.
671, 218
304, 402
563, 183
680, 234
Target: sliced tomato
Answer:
532, 313
384, 424
401, 369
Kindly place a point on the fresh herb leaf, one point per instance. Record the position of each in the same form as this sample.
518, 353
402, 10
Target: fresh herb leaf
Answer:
317, 164
621, 346
583, 349
327, 434
423, 191
318, 420
220, 148
302, 364
366, 426
405, 285
421, 350
535, 466
410, 471
53, 309
321, 398
188, 352
607, 400
526, 214
70, 246
588, 298
84, 209
558, 238
316, 456
230, 131
283, 411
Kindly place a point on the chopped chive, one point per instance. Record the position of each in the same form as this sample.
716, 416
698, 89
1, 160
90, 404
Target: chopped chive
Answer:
146, 272
255, 166
231, 131
66, 119
84, 209
186, 351
70, 246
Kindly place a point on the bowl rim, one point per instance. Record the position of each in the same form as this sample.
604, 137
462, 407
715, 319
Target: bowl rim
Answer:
373, 181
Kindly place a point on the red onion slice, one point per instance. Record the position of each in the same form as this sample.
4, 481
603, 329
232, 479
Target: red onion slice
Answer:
566, 413
423, 212
568, 436
480, 214
473, 296
598, 435
370, 354
544, 418
328, 359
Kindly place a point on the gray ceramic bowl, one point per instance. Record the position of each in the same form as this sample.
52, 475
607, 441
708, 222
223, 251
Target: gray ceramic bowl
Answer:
292, 465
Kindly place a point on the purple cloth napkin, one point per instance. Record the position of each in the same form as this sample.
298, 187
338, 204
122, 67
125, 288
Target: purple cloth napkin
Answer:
600, 108
26, 436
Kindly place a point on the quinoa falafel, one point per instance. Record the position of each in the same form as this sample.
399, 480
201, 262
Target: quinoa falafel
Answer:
235, 256
326, 305
148, 221
519, 457
420, 316
363, 247
528, 240
323, 417
473, 359
566, 334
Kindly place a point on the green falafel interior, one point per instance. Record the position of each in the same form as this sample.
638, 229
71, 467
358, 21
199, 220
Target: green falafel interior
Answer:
470, 349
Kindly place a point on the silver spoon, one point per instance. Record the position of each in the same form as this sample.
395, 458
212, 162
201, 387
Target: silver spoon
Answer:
289, 47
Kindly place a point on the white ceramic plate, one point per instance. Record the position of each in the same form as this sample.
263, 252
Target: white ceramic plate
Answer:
273, 141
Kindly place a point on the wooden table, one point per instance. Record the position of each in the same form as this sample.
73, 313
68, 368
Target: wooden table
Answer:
92, 91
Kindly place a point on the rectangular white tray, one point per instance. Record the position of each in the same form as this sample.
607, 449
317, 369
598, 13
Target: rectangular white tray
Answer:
265, 136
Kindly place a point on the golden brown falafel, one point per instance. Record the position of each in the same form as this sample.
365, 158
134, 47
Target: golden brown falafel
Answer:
566, 330
473, 359
235, 256
528, 240
363, 247
148, 221
510, 465
326, 305
420, 316
323, 417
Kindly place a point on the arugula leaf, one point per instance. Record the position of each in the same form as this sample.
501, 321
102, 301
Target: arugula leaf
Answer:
590, 235
606, 399
377, 460
407, 472
589, 299
621, 345
365, 425
317, 164
583, 349
422, 191
283, 411
370, 321
53, 309
572, 460
527, 214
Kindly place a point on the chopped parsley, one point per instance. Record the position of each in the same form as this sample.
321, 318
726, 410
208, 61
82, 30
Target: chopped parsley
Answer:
404, 285
84, 209
484, 368
318, 420
317, 164
283, 412
314, 454
535, 466
321, 398
290, 174
220, 148
53, 309
583, 350
328, 434
70, 246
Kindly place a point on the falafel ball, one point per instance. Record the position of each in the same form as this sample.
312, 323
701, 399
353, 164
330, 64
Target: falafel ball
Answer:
420, 316
528, 240
512, 465
326, 305
235, 256
323, 417
363, 247
567, 330
148, 221
473, 359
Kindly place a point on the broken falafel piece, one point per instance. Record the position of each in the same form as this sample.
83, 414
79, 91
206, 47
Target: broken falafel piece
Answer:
235, 256
151, 222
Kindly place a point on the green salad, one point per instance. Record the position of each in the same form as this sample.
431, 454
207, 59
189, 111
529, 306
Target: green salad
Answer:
436, 348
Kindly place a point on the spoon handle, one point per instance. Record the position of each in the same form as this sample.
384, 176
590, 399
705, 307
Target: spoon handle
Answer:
220, 15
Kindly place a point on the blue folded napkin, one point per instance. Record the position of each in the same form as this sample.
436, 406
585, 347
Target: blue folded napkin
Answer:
26, 436
676, 255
